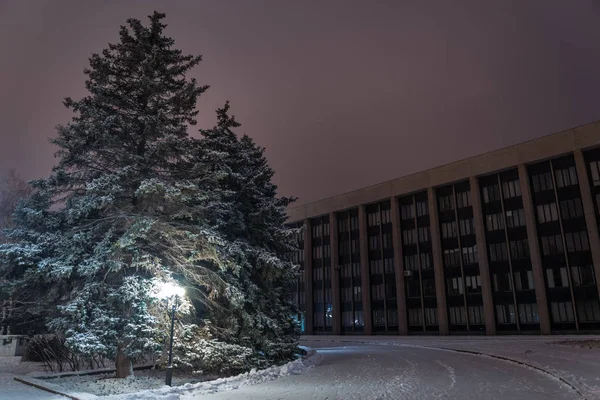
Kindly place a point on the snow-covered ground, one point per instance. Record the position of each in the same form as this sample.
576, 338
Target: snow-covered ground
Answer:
400, 368
12, 390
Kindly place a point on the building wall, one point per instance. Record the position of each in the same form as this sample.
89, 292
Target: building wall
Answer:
504, 242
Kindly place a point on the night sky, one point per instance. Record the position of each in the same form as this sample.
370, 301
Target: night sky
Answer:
343, 94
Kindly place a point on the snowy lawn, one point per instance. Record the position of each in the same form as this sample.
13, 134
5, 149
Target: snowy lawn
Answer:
145, 384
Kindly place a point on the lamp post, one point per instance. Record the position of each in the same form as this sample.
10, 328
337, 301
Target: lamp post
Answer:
171, 291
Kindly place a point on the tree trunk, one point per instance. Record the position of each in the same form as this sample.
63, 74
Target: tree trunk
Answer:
122, 364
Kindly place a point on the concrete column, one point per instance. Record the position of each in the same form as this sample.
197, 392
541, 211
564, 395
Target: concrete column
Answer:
534, 251
588, 210
482, 258
308, 277
335, 275
438, 263
364, 270
399, 268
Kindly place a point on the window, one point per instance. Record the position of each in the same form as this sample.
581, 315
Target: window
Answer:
388, 265
455, 286
386, 218
562, 312
547, 213
557, 277
354, 246
377, 292
374, 242
446, 203
542, 182
326, 250
528, 314
345, 271
343, 225
494, 222
511, 189
576, 241
422, 208
428, 287
424, 234
407, 211
451, 257
390, 290
431, 316
501, 281
466, 227
515, 218
409, 236
571, 208
376, 267
387, 240
498, 251
505, 314
354, 222
523, 280
373, 218
357, 293
325, 228
565, 177
552, 245
392, 316
415, 317
410, 263
425, 260
469, 255
463, 199
595, 171
458, 316
476, 315
347, 320
448, 229
582, 275
473, 283
588, 311
519, 249
491, 193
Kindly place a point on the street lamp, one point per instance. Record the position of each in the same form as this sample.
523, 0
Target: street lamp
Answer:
169, 290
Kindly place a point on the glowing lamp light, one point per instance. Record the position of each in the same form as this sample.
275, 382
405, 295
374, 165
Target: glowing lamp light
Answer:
170, 289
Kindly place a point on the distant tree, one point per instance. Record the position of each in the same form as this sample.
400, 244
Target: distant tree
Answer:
13, 189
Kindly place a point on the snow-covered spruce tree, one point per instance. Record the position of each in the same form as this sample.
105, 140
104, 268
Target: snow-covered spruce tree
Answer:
251, 218
124, 207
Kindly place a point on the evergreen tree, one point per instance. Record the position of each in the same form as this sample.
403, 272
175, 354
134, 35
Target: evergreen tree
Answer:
124, 207
252, 221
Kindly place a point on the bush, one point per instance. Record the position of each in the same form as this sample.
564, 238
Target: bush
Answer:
51, 350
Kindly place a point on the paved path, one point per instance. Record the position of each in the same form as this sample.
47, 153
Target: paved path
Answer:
374, 371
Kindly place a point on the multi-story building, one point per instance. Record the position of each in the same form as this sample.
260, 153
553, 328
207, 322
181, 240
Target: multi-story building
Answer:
504, 242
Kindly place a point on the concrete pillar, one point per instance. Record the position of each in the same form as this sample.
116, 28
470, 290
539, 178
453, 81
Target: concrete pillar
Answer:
399, 268
482, 259
335, 275
364, 270
308, 277
534, 251
438, 263
588, 210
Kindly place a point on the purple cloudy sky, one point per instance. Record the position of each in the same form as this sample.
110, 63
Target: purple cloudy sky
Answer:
342, 93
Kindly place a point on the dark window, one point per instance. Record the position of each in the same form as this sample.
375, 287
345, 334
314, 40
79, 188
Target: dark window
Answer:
446, 203
491, 193
451, 257
407, 211
523, 280
511, 189
469, 255
422, 208
576, 241
425, 260
409, 236
494, 222
547, 213
463, 199
562, 311
410, 263
466, 227
455, 286
501, 282
582, 275
448, 229
571, 208
588, 311
528, 314
557, 277
413, 288
565, 177
428, 287
505, 314
595, 170
424, 235
552, 245
519, 249
515, 218
473, 283
498, 251
457, 315
542, 182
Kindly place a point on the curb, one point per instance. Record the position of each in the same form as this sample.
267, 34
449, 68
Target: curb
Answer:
470, 352
45, 388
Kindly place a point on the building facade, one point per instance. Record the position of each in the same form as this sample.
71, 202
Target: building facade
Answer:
504, 242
